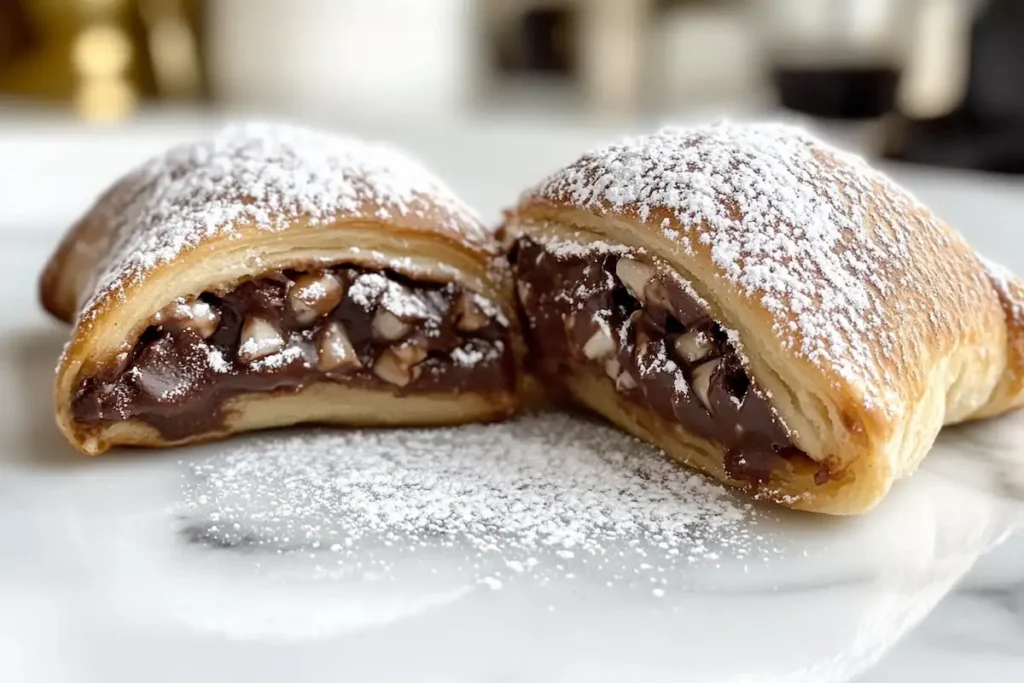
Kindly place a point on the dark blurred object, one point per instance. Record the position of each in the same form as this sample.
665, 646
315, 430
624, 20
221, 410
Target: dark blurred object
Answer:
539, 41
838, 59
101, 56
845, 92
986, 130
17, 37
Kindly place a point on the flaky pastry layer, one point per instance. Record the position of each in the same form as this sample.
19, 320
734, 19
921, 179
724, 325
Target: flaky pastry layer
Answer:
254, 202
869, 321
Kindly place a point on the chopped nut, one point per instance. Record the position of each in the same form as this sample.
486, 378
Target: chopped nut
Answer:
612, 368
198, 316
410, 354
260, 338
655, 292
693, 346
314, 295
392, 369
600, 345
634, 275
388, 327
470, 317
397, 365
336, 351
625, 381
205, 319
701, 381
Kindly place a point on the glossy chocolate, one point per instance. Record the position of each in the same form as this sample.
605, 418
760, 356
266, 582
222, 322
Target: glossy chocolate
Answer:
652, 336
288, 330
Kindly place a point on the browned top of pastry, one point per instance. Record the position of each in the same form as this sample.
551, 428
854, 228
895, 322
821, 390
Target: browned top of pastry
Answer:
258, 175
853, 274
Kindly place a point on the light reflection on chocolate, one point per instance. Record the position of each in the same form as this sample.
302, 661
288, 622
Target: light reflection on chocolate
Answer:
287, 330
655, 339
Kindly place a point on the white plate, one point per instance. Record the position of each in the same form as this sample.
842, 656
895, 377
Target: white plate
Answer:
112, 568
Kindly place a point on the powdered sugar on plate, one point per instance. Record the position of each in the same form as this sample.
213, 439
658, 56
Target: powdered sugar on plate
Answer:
547, 495
264, 175
783, 218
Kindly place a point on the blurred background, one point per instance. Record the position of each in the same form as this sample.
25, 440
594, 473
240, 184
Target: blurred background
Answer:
941, 81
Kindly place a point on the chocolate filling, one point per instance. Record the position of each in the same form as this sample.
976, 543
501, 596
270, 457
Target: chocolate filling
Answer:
287, 330
650, 334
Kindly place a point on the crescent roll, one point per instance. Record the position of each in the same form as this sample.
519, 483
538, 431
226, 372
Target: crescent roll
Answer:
272, 276
764, 308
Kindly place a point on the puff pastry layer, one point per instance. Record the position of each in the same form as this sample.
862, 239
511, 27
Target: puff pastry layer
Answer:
270, 276
765, 308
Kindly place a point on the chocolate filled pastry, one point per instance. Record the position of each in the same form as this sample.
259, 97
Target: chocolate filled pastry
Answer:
272, 276
766, 309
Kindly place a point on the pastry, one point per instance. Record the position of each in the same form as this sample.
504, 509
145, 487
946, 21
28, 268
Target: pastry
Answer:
766, 309
272, 276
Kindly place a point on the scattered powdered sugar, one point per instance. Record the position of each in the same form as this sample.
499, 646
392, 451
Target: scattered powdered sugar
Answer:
784, 219
490, 309
562, 246
657, 362
471, 355
216, 360
368, 289
403, 303
314, 290
544, 494
265, 175
276, 361
255, 345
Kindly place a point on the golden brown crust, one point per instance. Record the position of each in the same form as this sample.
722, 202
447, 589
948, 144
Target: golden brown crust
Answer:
1009, 395
857, 489
252, 178
870, 321
253, 200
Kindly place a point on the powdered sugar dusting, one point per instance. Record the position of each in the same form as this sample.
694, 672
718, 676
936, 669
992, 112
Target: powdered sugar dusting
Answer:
367, 289
474, 353
786, 220
562, 246
216, 360
403, 303
264, 175
543, 494
490, 309
276, 361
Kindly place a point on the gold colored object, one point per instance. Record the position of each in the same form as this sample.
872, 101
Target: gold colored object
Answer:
101, 57
106, 99
101, 50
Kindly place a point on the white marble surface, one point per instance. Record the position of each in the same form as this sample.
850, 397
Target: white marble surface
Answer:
111, 572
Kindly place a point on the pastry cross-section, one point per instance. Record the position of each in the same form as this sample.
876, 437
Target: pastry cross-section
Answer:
272, 276
765, 308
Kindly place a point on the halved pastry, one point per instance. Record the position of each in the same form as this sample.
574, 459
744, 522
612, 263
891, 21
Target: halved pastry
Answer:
766, 309
271, 276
